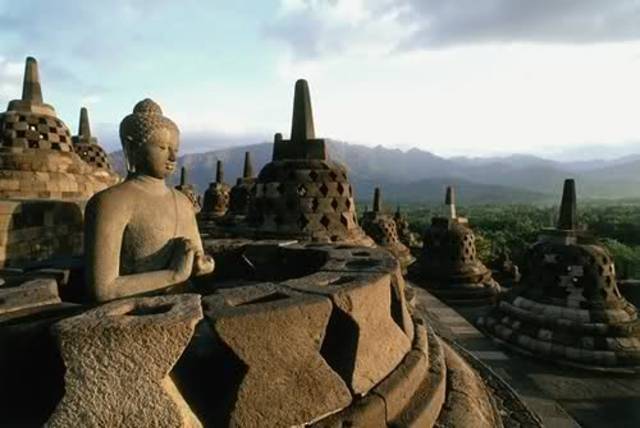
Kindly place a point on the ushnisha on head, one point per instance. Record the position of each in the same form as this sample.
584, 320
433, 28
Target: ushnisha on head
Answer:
150, 141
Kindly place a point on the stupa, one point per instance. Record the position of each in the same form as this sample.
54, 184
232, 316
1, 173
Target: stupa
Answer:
381, 227
189, 190
241, 193
406, 236
449, 267
301, 193
567, 307
87, 147
37, 157
216, 198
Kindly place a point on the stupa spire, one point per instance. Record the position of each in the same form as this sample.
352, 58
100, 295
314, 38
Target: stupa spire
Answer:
568, 218
377, 200
84, 129
302, 128
31, 89
183, 176
219, 171
248, 166
450, 202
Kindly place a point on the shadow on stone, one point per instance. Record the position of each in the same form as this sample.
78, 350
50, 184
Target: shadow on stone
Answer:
31, 374
340, 344
208, 375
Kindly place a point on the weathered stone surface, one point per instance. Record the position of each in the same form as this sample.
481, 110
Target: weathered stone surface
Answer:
364, 343
37, 292
278, 335
366, 412
426, 404
468, 401
118, 358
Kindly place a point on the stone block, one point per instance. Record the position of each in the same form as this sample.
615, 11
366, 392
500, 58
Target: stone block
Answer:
37, 292
118, 358
426, 404
367, 412
364, 342
400, 386
468, 403
278, 335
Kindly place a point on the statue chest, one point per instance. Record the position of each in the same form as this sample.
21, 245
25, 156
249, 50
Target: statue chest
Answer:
149, 236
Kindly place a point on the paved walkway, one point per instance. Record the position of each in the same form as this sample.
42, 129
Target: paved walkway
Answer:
562, 397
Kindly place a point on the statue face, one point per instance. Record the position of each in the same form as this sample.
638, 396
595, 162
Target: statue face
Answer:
158, 156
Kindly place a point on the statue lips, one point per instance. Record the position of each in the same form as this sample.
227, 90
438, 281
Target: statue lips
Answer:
170, 166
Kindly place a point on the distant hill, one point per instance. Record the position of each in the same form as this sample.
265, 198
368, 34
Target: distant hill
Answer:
421, 176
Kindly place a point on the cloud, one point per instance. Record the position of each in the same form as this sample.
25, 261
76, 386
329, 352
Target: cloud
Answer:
314, 28
446, 22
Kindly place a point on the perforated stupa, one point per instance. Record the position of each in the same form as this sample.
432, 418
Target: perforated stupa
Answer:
301, 193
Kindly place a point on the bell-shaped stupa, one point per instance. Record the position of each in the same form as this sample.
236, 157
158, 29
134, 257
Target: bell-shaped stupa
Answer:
406, 236
449, 266
567, 307
301, 193
216, 198
381, 227
87, 147
189, 189
242, 193
37, 156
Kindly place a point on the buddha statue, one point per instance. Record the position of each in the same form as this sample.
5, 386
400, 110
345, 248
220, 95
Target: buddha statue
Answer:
141, 235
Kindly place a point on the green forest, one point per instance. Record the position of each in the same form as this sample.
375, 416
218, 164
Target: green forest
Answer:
514, 227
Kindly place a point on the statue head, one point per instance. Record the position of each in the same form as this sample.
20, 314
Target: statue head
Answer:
149, 140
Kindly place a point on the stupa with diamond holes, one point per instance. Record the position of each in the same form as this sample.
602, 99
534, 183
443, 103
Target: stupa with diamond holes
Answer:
449, 267
406, 236
301, 193
381, 227
87, 147
241, 193
189, 189
567, 307
37, 157
216, 198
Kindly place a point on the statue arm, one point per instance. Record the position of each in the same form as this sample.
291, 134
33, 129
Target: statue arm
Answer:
105, 223
204, 263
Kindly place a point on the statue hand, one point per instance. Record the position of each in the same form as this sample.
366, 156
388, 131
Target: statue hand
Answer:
203, 264
183, 259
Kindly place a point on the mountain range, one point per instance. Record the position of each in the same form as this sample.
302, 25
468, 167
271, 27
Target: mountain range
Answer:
420, 176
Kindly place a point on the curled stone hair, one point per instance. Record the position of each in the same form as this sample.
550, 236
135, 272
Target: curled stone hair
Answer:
138, 126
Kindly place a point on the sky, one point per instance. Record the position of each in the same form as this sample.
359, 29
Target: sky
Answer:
556, 78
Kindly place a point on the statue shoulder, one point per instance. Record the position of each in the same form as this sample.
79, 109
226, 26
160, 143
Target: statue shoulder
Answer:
182, 199
113, 200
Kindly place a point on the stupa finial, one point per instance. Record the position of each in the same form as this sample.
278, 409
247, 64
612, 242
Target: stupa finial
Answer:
568, 218
219, 171
450, 202
302, 128
183, 176
31, 89
377, 200
84, 129
248, 166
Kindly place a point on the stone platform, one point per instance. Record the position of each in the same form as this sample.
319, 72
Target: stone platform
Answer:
289, 335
